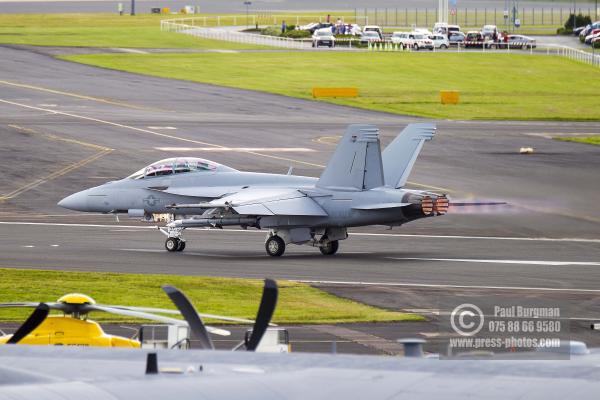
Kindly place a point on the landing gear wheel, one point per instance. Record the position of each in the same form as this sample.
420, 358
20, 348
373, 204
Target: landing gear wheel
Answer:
172, 244
275, 246
330, 248
181, 245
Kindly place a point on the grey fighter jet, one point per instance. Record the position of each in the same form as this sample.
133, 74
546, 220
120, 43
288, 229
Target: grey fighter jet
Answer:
360, 186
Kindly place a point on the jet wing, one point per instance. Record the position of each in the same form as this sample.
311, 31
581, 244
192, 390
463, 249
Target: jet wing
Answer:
270, 201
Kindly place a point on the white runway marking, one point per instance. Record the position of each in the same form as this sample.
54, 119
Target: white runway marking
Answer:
390, 235
239, 149
446, 286
536, 239
162, 127
54, 245
125, 50
29, 246
520, 262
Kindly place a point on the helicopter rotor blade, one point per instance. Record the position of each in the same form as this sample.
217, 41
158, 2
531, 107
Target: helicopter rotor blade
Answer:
137, 314
268, 302
197, 328
51, 306
35, 319
169, 311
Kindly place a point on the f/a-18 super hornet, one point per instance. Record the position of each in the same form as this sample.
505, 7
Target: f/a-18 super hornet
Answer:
360, 186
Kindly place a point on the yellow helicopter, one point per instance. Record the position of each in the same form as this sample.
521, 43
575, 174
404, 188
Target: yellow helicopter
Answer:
73, 328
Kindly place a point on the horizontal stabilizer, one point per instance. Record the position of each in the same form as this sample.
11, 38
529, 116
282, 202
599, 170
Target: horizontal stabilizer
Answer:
381, 206
399, 156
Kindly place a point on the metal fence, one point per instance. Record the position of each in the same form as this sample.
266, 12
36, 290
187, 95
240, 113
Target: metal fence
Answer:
405, 17
470, 17
189, 26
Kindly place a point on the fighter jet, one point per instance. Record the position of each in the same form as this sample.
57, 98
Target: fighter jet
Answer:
360, 186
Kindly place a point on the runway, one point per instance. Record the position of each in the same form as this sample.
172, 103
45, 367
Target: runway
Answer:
364, 258
66, 127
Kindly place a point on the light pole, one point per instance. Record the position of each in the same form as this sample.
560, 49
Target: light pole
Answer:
247, 4
132, 7
574, 15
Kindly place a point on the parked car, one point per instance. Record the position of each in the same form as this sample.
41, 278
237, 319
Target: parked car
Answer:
475, 39
488, 31
374, 28
421, 41
453, 28
592, 35
422, 31
440, 41
521, 42
403, 38
315, 26
456, 38
369, 37
323, 37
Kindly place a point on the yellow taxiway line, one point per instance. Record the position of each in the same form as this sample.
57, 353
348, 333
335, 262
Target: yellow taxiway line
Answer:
152, 132
71, 167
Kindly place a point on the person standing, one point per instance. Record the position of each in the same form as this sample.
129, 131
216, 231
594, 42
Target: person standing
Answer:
283, 27
328, 18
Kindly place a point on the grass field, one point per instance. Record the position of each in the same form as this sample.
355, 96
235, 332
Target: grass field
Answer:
298, 303
492, 86
143, 30
587, 140
100, 30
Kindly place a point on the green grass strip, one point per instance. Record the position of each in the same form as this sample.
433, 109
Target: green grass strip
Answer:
492, 86
298, 303
578, 139
102, 30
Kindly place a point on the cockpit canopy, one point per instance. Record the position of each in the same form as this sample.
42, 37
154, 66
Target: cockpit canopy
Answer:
179, 165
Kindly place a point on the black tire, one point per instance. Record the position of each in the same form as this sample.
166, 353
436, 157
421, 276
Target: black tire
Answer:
275, 246
416, 47
172, 244
330, 249
181, 245
443, 47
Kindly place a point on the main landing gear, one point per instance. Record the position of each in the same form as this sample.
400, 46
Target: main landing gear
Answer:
275, 244
174, 244
330, 248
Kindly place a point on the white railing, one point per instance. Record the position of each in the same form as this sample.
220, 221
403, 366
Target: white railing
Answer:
252, 20
189, 26
229, 35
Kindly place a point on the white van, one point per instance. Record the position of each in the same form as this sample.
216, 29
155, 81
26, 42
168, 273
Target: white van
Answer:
374, 28
275, 340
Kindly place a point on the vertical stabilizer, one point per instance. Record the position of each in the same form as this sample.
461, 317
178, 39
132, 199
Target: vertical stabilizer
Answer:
356, 163
399, 156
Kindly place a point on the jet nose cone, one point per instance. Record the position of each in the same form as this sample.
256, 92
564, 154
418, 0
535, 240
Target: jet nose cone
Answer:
76, 202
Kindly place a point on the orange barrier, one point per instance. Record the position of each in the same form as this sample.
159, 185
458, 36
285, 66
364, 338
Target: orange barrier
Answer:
449, 96
334, 92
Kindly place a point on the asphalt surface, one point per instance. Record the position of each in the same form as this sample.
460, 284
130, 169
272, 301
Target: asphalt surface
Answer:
235, 6
66, 127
